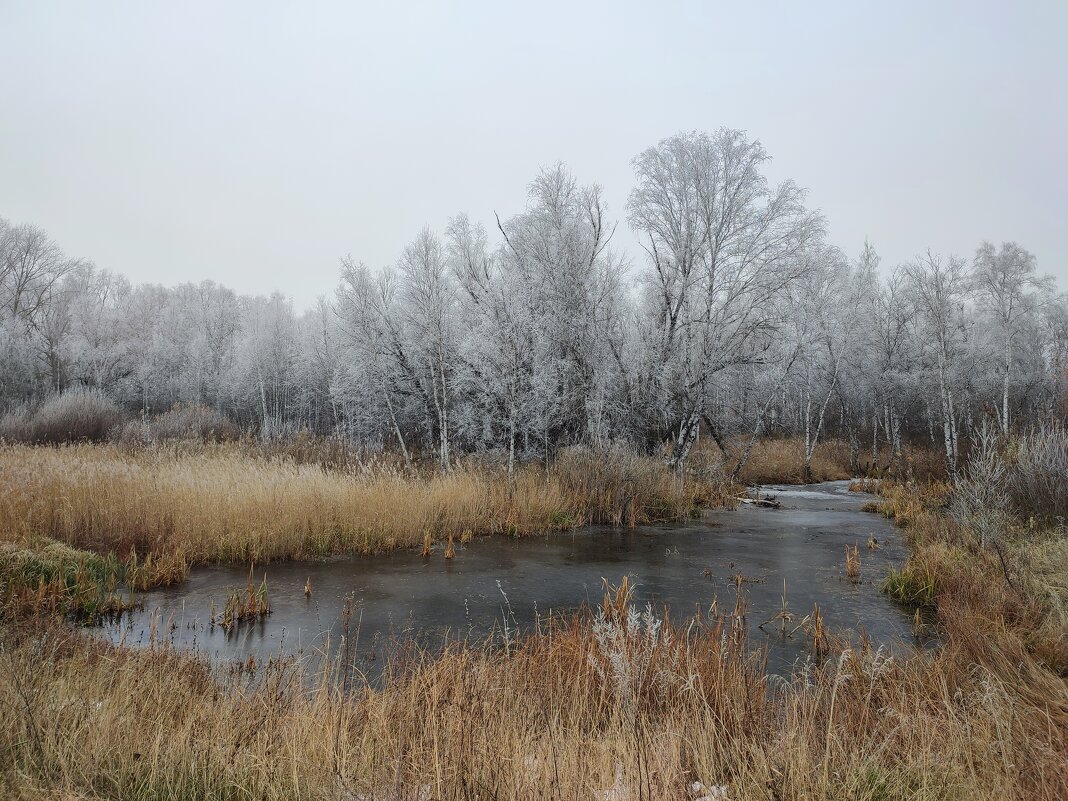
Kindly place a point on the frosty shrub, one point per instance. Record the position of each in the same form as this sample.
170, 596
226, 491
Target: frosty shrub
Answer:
980, 498
193, 421
184, 421
72, 416
1038, 479
15, 424
633, 652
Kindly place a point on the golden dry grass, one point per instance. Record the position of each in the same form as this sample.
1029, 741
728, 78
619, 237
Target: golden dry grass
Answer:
593, 709
223, 503
1016, 598
782, 461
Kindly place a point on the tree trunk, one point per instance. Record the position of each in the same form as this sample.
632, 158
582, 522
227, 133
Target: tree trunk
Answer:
812, 437
684, 441
949, 434
511, 444
397, 431
875, 436
1005, 388
895, 435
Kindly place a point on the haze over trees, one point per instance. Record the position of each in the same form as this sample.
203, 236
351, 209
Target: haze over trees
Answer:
738, 320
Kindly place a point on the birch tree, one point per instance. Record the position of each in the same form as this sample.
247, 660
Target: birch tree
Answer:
375, 365
557, 258
721, 243
497, 348
939, 289
1006, 281
429, 303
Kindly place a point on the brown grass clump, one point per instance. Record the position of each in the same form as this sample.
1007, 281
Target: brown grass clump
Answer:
852, 560
155, 570
250, 605
869, 485
223, 503
42, 577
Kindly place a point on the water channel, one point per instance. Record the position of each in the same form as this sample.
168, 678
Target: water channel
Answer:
495, 583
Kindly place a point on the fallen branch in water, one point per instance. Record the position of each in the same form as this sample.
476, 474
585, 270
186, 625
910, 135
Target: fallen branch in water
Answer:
769, 503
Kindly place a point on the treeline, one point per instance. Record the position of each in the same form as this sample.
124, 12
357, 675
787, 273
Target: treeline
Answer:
738, 320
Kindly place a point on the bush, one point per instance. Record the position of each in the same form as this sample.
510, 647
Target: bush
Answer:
15, 424
1025, 478
980, 501
72, 416
184, 421
194, 421
1038, 478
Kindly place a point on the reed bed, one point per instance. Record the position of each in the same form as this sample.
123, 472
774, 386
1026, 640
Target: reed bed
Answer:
41, 576
615, 706
215, 503
782, 461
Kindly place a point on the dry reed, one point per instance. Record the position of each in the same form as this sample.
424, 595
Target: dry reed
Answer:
618, 705
222, 503
852, 559
782, 461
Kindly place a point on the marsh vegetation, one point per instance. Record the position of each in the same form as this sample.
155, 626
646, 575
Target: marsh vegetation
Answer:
613, 699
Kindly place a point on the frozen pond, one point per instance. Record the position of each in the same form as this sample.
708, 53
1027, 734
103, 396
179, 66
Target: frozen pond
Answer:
495, 581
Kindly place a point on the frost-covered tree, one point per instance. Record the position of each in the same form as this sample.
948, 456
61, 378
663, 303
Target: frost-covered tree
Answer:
556, 257
1006, 284
722, 244
939, 288
428, 308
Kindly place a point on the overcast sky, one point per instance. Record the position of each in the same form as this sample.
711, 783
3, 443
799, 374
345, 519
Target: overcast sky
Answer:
256, 143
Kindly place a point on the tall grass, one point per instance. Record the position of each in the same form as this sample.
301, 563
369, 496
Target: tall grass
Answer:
1015, 593
39, 576
620, 706
781, 460
223, 503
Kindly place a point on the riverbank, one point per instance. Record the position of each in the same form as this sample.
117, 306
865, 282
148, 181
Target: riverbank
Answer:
615, 705
225, 503
242, 502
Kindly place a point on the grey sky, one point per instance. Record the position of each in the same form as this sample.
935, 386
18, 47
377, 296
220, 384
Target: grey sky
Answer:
256, 143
